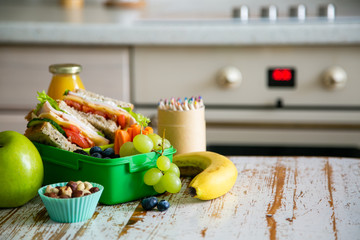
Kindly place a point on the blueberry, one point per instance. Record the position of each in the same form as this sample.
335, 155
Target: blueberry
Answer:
109, 152
95, 149
163, 205
149, 203
80, 151
97, 155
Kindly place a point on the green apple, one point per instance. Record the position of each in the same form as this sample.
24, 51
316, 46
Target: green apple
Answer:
21, 169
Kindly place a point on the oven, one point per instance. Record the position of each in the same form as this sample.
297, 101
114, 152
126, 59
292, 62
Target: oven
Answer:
298, 98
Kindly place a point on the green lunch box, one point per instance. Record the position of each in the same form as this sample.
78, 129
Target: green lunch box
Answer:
122, 178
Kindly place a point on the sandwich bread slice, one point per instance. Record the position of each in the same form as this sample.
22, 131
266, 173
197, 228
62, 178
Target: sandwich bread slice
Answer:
46, 134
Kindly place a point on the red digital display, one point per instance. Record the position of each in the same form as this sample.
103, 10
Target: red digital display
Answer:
282, 74
281, 77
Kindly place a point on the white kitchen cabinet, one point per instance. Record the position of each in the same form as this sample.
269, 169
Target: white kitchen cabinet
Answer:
24, 71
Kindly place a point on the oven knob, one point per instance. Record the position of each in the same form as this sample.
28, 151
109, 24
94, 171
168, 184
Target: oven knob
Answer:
241, 13
298, 12
327, 11
334, 78
269, 12
229, 77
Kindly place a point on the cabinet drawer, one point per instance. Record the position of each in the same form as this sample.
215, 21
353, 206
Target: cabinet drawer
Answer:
24, 71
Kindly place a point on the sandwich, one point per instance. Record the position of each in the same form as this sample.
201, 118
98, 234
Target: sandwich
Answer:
106, 114
55, 123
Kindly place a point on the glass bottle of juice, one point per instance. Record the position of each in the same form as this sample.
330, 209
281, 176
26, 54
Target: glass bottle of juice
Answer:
65, 77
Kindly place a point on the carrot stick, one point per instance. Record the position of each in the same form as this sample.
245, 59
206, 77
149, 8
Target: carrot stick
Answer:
148, 130
137, 130
116, 142
134, 130
130, 132
124, 137
121, 137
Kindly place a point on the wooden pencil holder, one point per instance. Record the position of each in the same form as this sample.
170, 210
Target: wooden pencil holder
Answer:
186, 130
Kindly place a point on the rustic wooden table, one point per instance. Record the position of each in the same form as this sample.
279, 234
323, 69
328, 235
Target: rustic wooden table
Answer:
273, 198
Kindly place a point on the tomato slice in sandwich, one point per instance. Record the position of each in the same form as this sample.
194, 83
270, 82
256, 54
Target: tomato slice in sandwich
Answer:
74, 135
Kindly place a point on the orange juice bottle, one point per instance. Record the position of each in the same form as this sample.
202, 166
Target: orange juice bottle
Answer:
65, 77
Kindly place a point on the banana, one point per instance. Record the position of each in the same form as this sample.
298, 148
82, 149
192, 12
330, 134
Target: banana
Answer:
214, 174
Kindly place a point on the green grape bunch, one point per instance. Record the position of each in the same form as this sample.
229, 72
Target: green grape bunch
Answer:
166, 175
